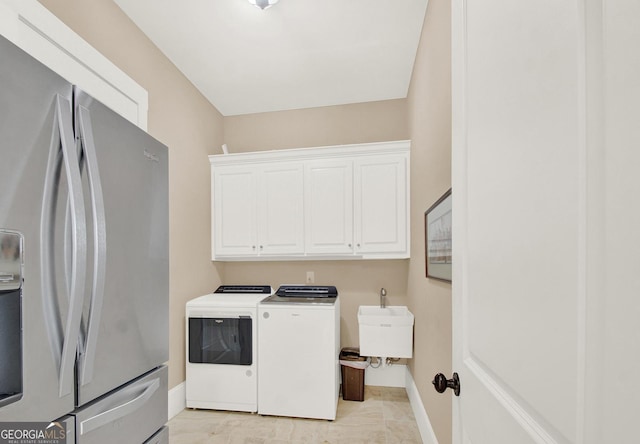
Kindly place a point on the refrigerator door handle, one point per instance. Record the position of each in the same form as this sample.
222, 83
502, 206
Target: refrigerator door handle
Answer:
122, 410
52, 321
71, 165
99, 243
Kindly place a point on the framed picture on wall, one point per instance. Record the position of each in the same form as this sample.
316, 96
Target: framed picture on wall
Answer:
437, 234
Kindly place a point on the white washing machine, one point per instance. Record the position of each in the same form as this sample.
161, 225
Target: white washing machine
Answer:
221, 361
298, 352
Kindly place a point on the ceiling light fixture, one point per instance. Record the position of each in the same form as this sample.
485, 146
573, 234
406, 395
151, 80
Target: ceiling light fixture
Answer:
263, 4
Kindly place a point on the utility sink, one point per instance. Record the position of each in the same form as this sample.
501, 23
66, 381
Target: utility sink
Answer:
385, 332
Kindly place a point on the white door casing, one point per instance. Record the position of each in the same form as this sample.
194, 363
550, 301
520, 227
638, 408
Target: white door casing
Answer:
33, 28
546, 246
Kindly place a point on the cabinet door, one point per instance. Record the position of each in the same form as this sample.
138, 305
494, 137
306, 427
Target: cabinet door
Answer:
329, 206
281, 211
380, 205
234, 211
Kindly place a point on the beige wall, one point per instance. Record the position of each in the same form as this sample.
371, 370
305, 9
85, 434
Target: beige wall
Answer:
358, 282
429, 107
183, 120
331, 125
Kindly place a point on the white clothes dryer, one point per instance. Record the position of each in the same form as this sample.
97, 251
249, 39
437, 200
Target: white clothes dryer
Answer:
221, 357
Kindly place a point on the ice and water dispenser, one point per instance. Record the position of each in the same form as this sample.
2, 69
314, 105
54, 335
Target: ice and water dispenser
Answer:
11, 265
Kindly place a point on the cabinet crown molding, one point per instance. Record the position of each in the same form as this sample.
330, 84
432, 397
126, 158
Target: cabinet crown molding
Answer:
334, 151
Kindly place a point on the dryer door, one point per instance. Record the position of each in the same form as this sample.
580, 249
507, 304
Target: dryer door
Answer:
221, 340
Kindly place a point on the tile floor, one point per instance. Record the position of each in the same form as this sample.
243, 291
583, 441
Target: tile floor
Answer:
385, 416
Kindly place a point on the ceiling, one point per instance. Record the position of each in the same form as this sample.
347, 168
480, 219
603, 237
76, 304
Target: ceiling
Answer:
296, 54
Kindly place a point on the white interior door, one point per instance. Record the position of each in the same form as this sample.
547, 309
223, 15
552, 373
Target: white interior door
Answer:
545, 202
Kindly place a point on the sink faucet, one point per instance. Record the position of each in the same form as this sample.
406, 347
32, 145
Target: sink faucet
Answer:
383, 295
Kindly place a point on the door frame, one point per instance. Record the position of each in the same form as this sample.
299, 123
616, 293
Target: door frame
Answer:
37, 31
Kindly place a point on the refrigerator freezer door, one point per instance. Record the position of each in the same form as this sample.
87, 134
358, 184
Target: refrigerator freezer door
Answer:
162, 437
125, 173
30, 131
132, 414
68, 423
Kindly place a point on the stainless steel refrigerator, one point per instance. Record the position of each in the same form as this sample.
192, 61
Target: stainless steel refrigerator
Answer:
84, 266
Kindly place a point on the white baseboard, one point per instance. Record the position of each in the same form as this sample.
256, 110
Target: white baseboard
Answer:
177, 399
389, 376
424, 424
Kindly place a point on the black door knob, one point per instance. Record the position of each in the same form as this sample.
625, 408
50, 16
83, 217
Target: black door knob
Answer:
441, 383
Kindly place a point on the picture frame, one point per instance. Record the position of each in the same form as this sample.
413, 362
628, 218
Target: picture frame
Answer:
438, 239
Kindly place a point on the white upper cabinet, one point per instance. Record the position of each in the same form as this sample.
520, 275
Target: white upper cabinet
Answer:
234, 206
280, 204
257, 210
381, 205
329, 206
357, 206
339, 202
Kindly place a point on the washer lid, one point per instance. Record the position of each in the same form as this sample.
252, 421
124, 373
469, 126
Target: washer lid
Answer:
307, 291
303, 294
